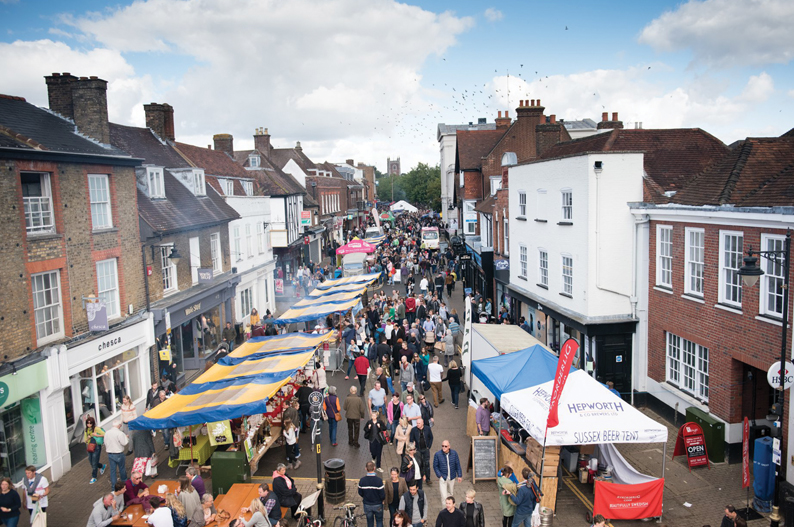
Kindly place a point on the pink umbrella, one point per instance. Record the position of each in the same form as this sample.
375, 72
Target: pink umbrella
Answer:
356, 246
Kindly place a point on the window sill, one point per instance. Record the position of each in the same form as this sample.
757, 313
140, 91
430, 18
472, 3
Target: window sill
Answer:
663, 289
565, 223
770, 320
170, 292
522, 218
541, 221
729, 309
103, 230
524, 278
567, 295
693, 298
49, 338
686, 396
43, 235
543, 286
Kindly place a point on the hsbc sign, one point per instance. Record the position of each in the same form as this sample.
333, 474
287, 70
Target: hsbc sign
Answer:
773, 375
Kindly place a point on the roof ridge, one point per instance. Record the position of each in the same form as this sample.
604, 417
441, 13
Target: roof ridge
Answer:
735, 174
182, 154
22, 138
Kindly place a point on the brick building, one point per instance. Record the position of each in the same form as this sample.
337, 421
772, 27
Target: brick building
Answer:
70, 238
710, 339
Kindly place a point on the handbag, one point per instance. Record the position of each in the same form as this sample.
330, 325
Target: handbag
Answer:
440, 346
338, 416
91, 446
39, 517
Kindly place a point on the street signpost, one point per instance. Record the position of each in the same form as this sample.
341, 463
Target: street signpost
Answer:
316, 402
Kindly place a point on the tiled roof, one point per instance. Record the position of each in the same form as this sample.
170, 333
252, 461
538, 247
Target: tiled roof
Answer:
181, 209
671, 157
214, 162
143, 143
584, 124
758, 173
281, 157
23, 125
486, 206
452, 128
329, 167
473, 145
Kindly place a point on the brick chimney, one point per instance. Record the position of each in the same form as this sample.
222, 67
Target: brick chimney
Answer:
528, 109
59, 90
548, 134
350, 162
298, 147
84, 100
262, 142
502, 122
160, 118
224, 143
606, 124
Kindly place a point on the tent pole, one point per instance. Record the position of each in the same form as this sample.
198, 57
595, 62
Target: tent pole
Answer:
664, 463
191, 444
542, 462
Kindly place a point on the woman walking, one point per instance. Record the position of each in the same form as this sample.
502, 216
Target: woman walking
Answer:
449, 347
374, 433
9, 503
394, 410
453, 377
503, 482
128, 413
333, 411
402, 434
94, 438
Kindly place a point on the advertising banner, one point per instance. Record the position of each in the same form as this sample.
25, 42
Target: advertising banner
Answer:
745, 454
279, 282
34, 431
97, 314
691, 442
306, 217
204, 275
567, 353
465, 351
629, 502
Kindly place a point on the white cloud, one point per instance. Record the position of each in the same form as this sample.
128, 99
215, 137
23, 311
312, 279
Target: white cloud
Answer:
704, 102
791, 93
726, 33
325, 74
493, 14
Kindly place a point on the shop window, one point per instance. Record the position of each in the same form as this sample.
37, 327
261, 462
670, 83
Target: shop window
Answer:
68, 406
688, 366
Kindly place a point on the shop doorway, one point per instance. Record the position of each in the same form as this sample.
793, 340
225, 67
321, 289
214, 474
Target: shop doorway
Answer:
12, 444
613, 361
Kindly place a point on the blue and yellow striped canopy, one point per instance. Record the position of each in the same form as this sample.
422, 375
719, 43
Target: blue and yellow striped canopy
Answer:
376, 240
240, 384
362, 279
332, 296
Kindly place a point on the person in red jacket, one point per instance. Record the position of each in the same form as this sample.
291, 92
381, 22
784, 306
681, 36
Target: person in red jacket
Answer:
410, 309
361, 365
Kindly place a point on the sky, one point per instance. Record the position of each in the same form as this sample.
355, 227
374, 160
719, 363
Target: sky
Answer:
372, 79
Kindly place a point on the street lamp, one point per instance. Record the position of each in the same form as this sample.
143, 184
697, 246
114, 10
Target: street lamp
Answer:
750, 273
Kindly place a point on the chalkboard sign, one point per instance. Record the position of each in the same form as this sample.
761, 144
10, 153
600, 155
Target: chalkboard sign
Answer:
484, 457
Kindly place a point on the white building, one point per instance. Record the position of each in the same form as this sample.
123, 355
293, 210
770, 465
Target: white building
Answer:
252, 255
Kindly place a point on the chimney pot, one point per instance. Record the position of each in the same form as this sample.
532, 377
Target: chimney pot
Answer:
83, 78
614, 116
605, 116
506, 116
93, 77
266, 132
533, 102
538, 101
56, 74
553, 118
500, 114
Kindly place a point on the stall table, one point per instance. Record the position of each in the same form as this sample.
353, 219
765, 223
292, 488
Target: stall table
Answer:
137, 510
202, 451
240, 495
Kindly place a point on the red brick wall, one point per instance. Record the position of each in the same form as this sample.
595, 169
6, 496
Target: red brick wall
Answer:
733, 339
472, 185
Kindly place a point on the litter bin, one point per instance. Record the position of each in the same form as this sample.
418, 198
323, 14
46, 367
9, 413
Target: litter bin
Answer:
334, 480
229, 468
788, 511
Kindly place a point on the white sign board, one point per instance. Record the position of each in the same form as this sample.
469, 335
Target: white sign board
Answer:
773, 376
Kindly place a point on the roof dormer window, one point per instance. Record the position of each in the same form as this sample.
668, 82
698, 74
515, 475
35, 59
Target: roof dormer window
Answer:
199, 186
227, 186
253, 161
154, 177
248, 187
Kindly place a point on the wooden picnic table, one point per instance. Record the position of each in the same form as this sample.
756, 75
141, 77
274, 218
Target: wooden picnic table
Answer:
240, 495
137, 511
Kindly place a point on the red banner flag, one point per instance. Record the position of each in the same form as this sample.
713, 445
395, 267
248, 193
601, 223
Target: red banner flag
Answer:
629, 502
567, 354
746, 454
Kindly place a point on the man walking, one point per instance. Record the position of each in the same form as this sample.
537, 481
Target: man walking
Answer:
115, 444
446, 465
422, 437
730, 516
434, 373
229, 335
371, 490
354, 412
414, 504
361, 365
450, 516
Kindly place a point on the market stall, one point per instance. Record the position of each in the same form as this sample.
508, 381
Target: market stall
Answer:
356, 245
402, 206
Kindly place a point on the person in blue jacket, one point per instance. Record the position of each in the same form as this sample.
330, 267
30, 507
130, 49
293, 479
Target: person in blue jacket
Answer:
525, 500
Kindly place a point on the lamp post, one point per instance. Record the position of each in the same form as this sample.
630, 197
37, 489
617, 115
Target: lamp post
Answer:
750, 274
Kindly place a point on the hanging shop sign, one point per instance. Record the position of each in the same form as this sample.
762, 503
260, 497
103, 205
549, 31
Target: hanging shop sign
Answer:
97, 314
773, 375
204, 276
306, 217
220, 432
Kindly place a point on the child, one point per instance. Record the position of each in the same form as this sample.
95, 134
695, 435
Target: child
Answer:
291, 439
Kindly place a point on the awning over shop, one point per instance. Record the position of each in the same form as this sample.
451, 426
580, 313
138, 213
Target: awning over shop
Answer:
240, 384
589, 414
515, 371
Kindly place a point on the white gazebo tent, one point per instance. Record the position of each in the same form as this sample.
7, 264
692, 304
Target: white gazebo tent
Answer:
402, 206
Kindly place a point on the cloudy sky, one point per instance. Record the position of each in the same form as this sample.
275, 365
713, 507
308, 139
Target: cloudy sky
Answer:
371, 79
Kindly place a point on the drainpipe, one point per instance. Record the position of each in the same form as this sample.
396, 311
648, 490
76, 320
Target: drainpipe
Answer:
145, 276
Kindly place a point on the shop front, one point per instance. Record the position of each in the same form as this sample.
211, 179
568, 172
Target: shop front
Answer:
22, 440
501, 276
90, 377
477, 271
196, 320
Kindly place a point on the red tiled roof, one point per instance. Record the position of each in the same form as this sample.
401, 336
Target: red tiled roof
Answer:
671, 157
473, 145
214, 162
486, 206
757, 173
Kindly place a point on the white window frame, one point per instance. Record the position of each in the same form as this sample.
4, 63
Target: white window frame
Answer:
155, 179
506, 248
215, 251
260, 236
566, 211
496, 184
248, 187
730, 283
39, 213
168, 269
238, 244
249, 241
47, 306
541, 195
543, 267
567, 277
772, 281
246, 301
107, 271
687, 366
695, 249
99, 196
523, 261
253, 161
522, 204
664, 256
199, 183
